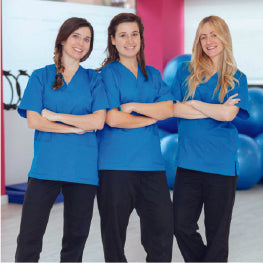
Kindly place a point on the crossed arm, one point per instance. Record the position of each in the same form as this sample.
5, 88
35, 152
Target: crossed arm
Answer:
152, 113
79, 124
194, 109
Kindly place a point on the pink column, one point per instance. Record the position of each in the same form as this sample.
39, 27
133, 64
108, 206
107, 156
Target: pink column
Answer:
2, 118
164, 30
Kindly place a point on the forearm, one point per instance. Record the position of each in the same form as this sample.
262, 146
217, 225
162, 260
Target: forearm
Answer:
185, 111
86, 122
36, 121
119, 119
158, 110
220, 112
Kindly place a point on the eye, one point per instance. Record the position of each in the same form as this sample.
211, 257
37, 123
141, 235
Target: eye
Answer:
202, 37
75, 36
87, 40
214, 35
122, 35
135, 34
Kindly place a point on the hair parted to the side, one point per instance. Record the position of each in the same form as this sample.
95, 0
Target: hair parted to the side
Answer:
112, 53
66, 29
200, 66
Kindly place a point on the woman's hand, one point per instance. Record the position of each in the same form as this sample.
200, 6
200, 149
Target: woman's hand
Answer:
127, 107
231, 101
49, 115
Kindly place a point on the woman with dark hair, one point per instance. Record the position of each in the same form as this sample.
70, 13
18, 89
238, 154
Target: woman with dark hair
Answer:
64, 103
210, 92
131, 168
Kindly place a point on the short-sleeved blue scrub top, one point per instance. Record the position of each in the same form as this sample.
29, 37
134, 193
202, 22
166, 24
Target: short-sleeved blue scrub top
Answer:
135, 149
208, 145
65, 157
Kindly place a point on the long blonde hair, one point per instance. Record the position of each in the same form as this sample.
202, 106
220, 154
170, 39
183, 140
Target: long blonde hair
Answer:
201, 64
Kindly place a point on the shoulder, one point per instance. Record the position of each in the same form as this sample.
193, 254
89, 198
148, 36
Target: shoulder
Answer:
240, 75
44, 73
91, 73
111, 66
152, 70
241, 78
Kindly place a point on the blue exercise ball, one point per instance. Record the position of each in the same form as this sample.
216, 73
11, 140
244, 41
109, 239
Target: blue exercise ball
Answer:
169, 145
259, 141
163, 133
172, 67
169, 125
254, 124
249, 162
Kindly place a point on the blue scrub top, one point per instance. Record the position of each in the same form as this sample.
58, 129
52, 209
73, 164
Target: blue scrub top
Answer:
135, 149
209, 145
65, 157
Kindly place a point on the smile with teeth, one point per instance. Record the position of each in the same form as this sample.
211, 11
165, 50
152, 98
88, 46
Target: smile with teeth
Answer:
78, 50
130, 47
211, 48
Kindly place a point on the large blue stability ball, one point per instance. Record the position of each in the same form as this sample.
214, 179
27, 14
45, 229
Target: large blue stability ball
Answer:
172, 67
249, 162
259, 141
254, 124
169, 145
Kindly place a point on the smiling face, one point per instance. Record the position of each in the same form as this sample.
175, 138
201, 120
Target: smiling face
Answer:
127, 40
77, 44
211, 45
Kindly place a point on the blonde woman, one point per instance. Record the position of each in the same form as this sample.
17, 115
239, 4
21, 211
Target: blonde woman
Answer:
210, 92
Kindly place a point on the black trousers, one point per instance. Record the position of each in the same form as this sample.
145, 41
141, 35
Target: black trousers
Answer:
122, 191
216, 193
39, 199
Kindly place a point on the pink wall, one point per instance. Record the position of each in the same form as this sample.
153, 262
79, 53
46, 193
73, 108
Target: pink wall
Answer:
2, 115
164, 30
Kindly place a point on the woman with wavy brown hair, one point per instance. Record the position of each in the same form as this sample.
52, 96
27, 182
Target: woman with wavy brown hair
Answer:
64, 103
210, 92
131, 167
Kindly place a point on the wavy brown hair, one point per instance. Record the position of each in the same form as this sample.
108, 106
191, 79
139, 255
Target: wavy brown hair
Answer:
112, 53
201, 64
67, 28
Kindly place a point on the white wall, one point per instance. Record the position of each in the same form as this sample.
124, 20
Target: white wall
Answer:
245, 20
29, 32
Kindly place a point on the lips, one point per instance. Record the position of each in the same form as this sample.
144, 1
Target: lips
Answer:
211, 48
78, 50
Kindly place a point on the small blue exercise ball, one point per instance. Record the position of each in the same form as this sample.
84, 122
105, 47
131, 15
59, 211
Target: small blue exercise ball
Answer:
169, 125
169, 145
254, 124
249, 162
259, 141
172, 67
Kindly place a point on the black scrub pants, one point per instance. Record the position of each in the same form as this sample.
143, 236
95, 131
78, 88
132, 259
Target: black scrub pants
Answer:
192, 191
122, 191
39, 199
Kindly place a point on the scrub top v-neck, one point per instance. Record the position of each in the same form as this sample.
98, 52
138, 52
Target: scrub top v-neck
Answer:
131, 149
61, 156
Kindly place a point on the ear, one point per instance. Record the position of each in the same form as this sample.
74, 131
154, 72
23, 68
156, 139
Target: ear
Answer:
113, 40
62, 43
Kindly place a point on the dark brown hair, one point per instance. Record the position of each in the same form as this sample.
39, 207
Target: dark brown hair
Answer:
112, 52
67, 28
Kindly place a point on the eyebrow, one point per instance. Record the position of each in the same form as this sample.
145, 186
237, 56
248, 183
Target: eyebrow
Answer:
80, 35
208, 33
132, 32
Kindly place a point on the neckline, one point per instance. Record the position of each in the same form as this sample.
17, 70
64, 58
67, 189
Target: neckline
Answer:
139, 68
64, 81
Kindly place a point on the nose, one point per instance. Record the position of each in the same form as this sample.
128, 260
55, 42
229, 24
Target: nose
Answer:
130, 39
209, 39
